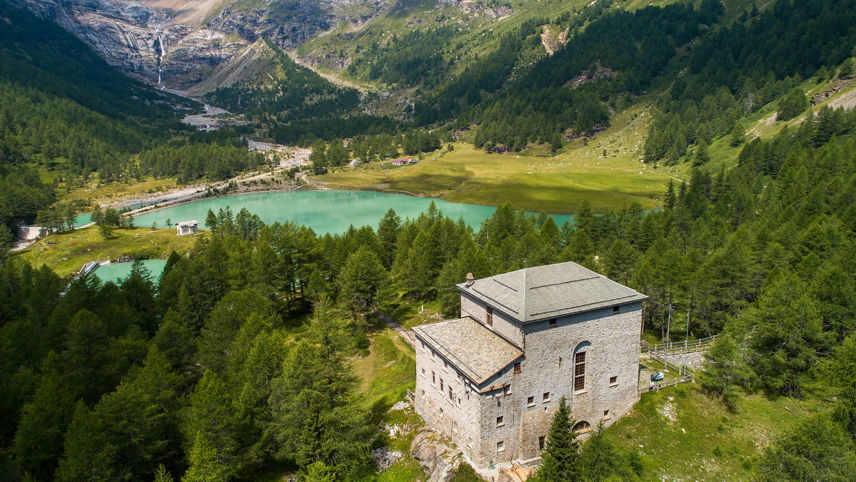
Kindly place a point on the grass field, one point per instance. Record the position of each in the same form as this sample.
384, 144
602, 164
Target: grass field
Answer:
388, 371
683, 435
66, 252
607, 171
114, 191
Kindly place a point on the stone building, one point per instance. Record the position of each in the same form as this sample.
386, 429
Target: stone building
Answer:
187, 227
492, 379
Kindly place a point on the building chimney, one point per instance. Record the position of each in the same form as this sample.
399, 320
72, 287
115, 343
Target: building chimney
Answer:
470, 280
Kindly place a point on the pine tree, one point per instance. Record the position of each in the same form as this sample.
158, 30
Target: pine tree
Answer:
792, 105
163, 475
724, 370
204, 463
213, 417
600, 460
560, 456
361, 281
670, 195
387, 231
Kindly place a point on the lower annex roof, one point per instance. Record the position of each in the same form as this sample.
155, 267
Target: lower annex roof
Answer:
472, 348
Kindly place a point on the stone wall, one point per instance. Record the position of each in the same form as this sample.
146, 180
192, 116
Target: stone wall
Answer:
457, 419
612, 350
503, 324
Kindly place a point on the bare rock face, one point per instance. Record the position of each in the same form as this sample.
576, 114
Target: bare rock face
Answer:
437, 455
178, 43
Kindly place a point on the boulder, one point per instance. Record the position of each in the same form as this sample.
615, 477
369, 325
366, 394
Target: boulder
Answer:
436, 454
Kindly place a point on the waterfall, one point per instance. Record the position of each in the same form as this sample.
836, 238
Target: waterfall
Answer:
160, 51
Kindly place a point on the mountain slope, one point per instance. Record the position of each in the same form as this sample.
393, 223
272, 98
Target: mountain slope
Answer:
262, 79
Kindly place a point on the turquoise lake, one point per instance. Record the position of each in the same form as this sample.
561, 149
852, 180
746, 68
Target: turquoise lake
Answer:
323, 211
116, 272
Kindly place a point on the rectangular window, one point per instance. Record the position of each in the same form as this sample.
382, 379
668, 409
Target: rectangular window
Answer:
546, 396
489, 319
580, 371
530, 401
445, 365
441, 384
613, 380
499, 422
615, 309
423, 344
541, 441
517, 367
433, 377
500, 446
552, 323
423, 371
451, 397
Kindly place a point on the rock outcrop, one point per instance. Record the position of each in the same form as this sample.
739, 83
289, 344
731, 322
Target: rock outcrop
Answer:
437, 455
179, 42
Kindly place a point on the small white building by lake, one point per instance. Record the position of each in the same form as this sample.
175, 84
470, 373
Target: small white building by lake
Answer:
187, 227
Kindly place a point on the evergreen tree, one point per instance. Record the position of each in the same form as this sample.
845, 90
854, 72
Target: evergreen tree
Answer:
560, 458
213, 417
792, 105
600, 459
724, 370
204, 463
316, 416
816, 449
361, 281
387, 232
788, 330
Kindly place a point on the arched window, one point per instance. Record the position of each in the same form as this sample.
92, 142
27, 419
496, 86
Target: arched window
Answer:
580, 366
581, 427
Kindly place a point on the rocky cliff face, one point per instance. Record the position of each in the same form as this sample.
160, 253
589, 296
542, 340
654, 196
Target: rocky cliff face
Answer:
179, 42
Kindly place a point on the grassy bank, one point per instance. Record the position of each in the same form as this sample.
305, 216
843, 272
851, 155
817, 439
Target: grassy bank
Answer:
66, 252
607, 171
683, 435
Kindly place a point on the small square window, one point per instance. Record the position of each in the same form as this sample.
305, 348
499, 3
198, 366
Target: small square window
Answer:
499, 422
615, 309
606, 413
552, 323
500, 446
530, 401
541, 441
517, 367
613, 380
546, 396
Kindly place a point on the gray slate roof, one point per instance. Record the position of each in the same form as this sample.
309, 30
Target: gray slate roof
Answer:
476, 351
550, 291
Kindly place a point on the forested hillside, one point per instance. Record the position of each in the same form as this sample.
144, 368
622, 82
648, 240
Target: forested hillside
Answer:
66, 116
208, 371
280, 88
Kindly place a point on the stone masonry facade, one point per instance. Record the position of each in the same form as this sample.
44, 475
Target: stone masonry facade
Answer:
506, 417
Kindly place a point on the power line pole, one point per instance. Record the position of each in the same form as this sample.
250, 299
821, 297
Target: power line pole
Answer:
668, 331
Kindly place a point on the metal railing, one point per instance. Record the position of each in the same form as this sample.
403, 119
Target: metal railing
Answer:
667, 383
678, 348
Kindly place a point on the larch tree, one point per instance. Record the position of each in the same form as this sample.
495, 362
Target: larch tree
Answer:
561, 454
